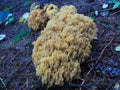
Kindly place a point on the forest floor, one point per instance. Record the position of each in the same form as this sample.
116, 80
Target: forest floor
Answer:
100, 72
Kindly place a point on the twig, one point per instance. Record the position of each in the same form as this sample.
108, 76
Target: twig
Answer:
86, 76
2, 82
89, 85
2, 59
112, 21
14, 56
106, 9
115, 12
97, 61
102, 33
106, 47
109, 9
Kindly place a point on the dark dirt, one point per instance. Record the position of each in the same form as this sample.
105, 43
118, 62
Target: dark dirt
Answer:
17, 71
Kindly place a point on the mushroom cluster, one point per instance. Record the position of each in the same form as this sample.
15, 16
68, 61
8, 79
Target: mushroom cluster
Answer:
62, 46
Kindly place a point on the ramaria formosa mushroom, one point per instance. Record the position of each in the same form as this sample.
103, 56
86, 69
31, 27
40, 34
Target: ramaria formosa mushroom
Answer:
51, 10
62, 46
36, 19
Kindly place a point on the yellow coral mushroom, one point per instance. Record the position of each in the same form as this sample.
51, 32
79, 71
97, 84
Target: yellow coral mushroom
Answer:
36, 19
62, 46
68, 9
50, 10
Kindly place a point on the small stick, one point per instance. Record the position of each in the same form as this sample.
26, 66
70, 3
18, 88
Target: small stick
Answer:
97, 61
106, 47
2, 59
88, 85
115, 12
106, 9
108, 21
2, 82
87, 75
14, 56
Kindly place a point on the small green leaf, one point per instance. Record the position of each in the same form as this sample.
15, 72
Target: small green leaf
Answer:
117, 48
7, 8
21, 35
114, 1
117, 86
93, 18
11, 19
27, 3
116, 5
